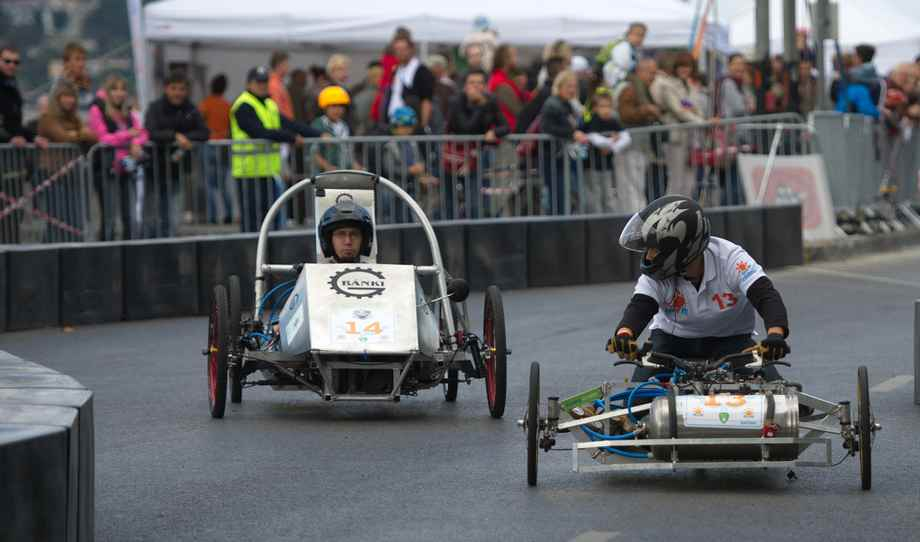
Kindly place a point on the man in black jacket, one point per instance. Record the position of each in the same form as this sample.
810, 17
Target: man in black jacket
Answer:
473, 112
11, 127
175, 126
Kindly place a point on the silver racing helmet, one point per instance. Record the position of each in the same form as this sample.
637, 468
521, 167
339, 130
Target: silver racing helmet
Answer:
673, 225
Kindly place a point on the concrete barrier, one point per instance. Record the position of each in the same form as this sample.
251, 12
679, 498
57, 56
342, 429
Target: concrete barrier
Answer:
92, 283
607, 261
745, 226
161, 278
556, 251
783, 245
33, 288
47, 454
4, 271
496, 253
220, 257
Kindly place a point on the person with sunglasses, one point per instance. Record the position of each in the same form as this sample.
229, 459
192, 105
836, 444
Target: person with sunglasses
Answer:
11, 127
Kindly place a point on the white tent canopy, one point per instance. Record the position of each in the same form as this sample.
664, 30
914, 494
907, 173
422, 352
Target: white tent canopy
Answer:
521, 22
894, 32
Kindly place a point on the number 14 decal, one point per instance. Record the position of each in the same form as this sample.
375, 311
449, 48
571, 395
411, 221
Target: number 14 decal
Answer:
725, 301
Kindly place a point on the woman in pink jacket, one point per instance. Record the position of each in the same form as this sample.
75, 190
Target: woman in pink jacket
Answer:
122, 131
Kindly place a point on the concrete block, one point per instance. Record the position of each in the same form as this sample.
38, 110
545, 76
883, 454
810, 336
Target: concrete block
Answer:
4, 285
497, 253
92, 283
161, 279
220, 257
556, 251
33, 288
783, 243
34, 470
607, 261
745, 226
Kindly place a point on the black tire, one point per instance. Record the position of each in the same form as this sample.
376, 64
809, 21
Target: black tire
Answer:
533, 423
235, 319
217, 352
493, 336
452, 384
865, 422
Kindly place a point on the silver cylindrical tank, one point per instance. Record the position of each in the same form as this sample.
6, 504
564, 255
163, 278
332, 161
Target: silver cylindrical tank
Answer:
724, 416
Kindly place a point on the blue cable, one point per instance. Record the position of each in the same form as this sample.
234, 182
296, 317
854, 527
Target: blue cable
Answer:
593, 435
268, 295
632, 394
278, 302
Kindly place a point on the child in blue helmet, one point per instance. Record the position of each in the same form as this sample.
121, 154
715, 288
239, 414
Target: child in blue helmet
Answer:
404, 164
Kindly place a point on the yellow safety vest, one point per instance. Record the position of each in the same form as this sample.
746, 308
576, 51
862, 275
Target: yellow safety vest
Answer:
255, 159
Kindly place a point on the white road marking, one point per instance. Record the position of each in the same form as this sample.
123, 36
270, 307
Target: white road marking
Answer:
861, 276
892, 384
596, 536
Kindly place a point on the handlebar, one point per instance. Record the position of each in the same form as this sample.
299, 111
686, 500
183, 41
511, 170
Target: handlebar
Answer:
735, 361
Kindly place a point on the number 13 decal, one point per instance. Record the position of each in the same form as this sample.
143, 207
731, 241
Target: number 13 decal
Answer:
725, 301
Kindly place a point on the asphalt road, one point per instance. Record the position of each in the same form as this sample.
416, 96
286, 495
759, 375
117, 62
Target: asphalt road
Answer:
285, 466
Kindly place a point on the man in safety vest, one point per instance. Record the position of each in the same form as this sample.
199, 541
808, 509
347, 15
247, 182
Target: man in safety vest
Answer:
256, 165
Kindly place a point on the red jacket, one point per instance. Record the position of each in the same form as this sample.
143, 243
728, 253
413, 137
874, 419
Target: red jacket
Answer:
498, 78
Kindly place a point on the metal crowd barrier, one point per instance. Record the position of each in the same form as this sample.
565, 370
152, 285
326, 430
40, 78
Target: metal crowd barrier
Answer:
43, 194
866, 161
54, 195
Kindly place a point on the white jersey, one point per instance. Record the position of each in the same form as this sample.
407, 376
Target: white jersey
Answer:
720, 308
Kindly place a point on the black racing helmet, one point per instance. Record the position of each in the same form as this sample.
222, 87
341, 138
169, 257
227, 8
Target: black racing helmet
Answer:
345, 212
676, 227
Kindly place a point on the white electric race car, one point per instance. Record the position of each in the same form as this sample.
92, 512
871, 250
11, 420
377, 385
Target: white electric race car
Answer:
353, 332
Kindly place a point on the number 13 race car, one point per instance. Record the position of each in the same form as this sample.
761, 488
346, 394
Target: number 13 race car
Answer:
359, 331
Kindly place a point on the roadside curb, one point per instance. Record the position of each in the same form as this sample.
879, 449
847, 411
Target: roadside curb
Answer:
856, 245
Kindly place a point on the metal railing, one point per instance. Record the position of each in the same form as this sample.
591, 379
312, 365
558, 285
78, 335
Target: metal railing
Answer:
59, 194
866, 161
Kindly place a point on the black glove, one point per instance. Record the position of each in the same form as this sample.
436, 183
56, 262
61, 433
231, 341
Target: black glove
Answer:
623, 345
774, 347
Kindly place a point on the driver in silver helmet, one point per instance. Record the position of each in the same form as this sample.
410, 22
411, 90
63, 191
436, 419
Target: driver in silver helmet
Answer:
699, 292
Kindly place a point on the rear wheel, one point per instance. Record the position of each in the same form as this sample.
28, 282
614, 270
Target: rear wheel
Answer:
865, 428
235, 318
496, 361
533, 423
217, 352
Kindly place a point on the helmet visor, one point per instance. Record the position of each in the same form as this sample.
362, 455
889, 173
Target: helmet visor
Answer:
631, 237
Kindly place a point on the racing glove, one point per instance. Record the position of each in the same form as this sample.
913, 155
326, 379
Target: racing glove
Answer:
774, 347
624, 345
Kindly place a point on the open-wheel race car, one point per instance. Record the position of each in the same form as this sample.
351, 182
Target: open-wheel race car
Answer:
358, 331
700, 414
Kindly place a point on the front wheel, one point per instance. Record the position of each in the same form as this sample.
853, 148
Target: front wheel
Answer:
533, 423
217, 352
866, 424
496, 352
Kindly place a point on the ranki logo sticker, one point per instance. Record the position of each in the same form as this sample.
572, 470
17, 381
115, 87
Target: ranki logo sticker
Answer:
358, 282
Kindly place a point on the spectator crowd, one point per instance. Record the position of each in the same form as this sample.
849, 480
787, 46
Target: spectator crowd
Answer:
597, 109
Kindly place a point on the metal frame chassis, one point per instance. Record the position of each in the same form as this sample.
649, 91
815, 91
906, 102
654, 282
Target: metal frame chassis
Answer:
830, 410
437, 269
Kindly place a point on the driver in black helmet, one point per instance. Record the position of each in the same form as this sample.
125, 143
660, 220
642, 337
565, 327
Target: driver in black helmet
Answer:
346, 232
699, 292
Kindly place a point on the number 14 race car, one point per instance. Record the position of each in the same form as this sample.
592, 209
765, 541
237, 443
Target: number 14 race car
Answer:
360, 331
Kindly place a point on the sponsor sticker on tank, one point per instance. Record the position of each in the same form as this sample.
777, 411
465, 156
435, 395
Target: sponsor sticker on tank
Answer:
357, 326
732, 411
